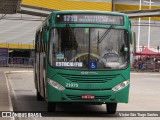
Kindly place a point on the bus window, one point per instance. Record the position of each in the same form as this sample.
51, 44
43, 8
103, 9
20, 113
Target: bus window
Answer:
83, 45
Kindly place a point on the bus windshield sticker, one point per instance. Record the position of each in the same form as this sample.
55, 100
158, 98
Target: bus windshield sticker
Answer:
93, 65
60, 56
69, 64
90, 18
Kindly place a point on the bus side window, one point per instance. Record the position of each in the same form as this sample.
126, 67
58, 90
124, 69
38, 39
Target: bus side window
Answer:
38, 42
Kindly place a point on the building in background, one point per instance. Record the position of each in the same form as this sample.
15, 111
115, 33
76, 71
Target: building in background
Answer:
105, 5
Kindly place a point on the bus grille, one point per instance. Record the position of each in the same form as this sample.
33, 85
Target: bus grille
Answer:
76, 97
89, 78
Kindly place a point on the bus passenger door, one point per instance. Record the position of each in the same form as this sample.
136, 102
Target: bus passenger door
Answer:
37, 83
42, 77
37, 50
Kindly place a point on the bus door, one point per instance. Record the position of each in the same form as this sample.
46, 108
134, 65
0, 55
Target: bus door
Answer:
37, 63
42, 79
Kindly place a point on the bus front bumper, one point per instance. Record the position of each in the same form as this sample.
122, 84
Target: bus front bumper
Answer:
101, 96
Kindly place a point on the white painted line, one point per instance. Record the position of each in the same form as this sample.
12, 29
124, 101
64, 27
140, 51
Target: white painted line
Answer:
14, 94
10, 103
9, 97
23, 71
145, 73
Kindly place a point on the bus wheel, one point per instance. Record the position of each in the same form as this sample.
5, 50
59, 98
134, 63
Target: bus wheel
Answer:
51, 106
39, 97
111, 108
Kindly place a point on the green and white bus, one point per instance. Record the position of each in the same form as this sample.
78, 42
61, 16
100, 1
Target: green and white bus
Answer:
83, 57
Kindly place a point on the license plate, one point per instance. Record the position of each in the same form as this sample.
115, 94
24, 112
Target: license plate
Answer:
88, 97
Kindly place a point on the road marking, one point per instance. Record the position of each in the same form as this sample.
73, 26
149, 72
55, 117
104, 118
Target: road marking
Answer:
145, 73
23, 71
9, 97
11, 88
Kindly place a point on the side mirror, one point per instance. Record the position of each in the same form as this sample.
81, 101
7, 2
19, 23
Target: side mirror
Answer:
45, 36
133, 43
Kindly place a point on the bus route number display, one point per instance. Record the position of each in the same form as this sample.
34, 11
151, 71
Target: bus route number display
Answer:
90, 18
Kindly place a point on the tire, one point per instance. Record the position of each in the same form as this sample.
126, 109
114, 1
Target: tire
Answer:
51, 106
111, 108
39, 97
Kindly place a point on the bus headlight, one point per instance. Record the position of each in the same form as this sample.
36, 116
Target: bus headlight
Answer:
120, 86
55, 85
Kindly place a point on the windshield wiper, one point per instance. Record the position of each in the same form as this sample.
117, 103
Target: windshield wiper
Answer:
70, 30
104, 35
72, 43
71, 34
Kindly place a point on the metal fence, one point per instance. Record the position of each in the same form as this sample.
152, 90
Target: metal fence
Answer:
16, 62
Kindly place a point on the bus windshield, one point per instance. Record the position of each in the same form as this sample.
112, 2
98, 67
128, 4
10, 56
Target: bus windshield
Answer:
89, 48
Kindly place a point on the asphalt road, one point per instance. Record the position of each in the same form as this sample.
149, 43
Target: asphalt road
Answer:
144, 96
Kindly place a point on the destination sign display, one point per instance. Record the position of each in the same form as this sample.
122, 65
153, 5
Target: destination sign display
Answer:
90, 18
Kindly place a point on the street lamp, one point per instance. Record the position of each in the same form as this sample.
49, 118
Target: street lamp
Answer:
139, 27
149, 27
139, 22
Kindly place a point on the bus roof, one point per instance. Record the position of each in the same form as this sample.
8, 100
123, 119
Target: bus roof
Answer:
86, 11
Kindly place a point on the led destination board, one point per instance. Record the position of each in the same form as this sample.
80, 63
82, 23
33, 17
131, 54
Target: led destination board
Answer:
90, 18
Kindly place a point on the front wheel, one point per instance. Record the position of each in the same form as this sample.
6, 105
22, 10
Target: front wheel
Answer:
111, 108
51, 106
